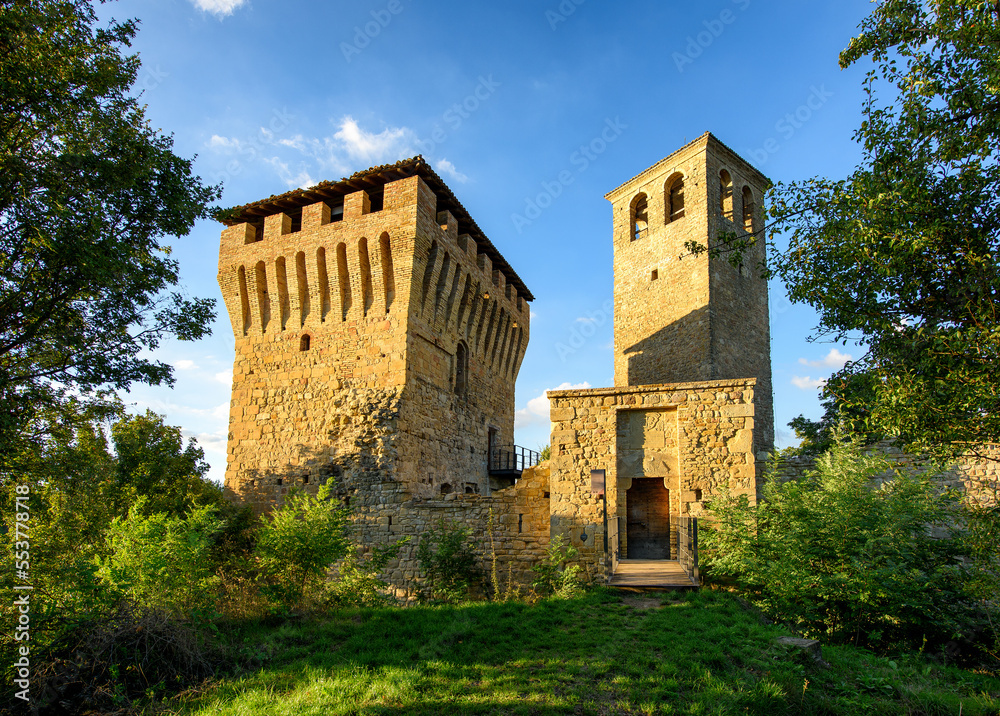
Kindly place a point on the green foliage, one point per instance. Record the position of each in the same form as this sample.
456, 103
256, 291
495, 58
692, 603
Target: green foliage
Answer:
841, 556
163, 561
983, 540
89, 192
298, 543
903, 253
447, 557
554, 576
152, 461
545, 453
357, 584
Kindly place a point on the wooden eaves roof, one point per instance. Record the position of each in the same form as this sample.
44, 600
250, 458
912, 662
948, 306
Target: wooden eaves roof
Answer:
376, 178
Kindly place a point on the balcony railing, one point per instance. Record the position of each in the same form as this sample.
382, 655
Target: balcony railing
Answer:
511, 459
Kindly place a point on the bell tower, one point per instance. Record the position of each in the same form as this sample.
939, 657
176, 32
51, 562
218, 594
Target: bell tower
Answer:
683, 318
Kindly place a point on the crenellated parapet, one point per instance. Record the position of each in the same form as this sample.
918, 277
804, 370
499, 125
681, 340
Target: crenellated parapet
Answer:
378, 282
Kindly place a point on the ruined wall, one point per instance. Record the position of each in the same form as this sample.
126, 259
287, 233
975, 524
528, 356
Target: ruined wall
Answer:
680, 317
976, 477
520, 527
696, 437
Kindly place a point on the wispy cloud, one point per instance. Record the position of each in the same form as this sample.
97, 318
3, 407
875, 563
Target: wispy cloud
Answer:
834, 359
537, 410
219, 8
185, 364
807, 383
296, 178
449, 169
350, 148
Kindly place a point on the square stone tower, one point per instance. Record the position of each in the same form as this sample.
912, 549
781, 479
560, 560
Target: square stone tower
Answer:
379, 334
679, 317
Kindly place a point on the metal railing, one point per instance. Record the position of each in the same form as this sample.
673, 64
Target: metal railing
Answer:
687, 546
512, 458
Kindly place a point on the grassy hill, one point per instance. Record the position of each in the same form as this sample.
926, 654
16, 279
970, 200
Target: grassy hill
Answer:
605, 653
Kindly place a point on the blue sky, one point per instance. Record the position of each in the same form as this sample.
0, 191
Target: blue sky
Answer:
499, 98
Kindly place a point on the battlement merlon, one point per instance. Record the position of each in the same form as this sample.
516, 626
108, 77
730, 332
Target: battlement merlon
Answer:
363, 193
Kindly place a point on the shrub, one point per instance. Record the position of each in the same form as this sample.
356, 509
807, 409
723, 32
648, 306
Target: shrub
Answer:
162, 561
447, 557
356, 582
554, 576
298, 544
856, 551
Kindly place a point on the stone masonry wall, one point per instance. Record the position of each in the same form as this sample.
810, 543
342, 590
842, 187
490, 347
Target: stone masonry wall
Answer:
392, 300
697, 437
463, 311
976, 477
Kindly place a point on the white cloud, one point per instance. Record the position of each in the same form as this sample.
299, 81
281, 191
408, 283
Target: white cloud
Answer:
297, 178
834, 359
449, 169
532, 315
185, 364
225, 377
391, 144
808, 383
537, 409
219, 8
348, 149
586, 319
217, 142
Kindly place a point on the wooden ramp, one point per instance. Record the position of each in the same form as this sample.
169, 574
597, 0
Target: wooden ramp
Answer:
651, 574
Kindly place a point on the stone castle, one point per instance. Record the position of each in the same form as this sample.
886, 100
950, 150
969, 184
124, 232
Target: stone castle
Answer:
379, 334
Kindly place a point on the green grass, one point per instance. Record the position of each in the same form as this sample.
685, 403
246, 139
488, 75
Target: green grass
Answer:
697, 653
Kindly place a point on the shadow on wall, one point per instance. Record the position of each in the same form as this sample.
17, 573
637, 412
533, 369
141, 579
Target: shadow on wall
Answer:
677, 353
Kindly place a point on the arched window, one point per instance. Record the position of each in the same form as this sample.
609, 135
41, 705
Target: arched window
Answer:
674, 198
461, 369
726, 195
304, 342
640, 217
748, 210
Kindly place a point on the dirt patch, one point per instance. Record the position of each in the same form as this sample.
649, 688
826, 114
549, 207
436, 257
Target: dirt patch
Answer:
642, 602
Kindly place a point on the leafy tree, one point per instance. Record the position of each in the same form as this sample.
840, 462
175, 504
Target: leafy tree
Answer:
152, 461
88, 194
903, 253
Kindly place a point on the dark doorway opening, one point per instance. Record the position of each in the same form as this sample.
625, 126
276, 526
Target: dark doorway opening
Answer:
647, 505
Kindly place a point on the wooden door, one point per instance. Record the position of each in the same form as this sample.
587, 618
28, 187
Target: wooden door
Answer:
647, 505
